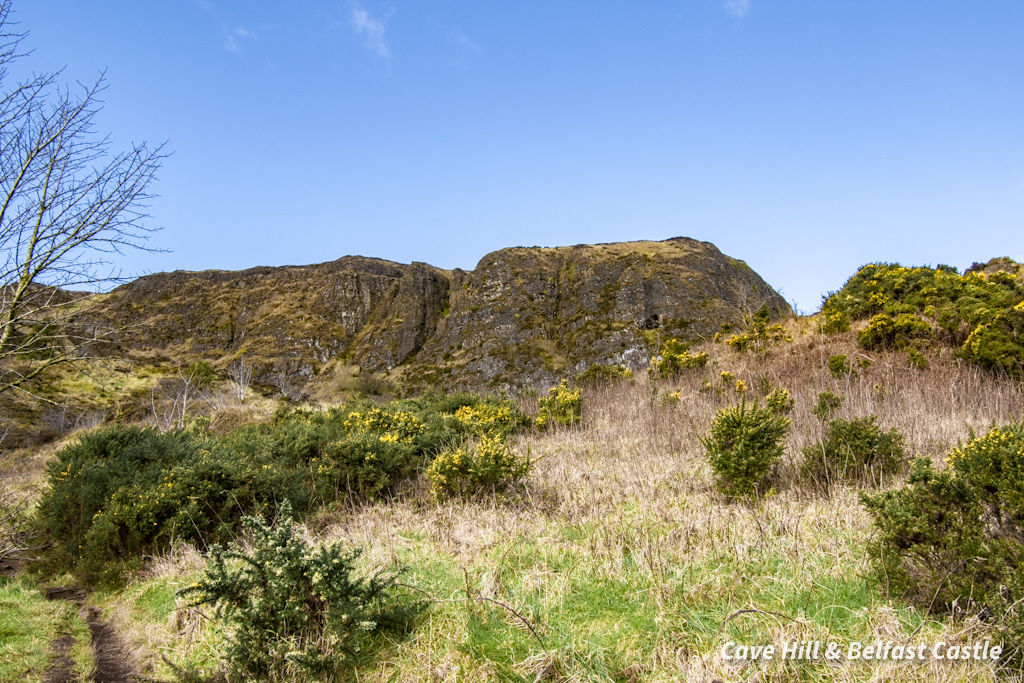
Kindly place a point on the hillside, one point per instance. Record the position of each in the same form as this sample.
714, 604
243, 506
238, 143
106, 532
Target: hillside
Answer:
522, 317
545, 544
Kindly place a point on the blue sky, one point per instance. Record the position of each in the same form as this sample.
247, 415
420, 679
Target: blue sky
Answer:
805, 137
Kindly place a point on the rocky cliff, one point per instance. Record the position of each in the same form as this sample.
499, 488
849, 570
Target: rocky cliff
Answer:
523, 316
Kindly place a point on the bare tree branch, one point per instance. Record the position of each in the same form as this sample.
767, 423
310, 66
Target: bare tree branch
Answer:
67, 206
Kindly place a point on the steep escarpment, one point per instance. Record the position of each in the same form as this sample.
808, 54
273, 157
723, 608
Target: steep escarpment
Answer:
523, 316
529, 315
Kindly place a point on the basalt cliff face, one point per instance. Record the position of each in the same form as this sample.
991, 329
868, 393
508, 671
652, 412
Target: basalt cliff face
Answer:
522, 317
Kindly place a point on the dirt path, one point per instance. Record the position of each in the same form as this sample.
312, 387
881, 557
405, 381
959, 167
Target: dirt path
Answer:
61, 668
110, 657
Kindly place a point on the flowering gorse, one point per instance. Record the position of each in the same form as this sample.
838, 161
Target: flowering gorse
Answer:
295, 612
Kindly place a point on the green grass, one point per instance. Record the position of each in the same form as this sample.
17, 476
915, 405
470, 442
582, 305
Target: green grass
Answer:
28, 624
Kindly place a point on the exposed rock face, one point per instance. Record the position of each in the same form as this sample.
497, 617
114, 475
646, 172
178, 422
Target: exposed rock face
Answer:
523, 316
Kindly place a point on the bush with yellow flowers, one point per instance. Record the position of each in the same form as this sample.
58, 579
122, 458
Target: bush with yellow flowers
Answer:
490, 418
953, 539
562, 406
676, 358
489, 464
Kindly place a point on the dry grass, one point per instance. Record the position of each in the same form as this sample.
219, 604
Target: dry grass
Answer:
625, 504
619, 559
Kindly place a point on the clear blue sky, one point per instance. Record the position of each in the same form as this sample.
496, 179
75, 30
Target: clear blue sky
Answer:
805, 137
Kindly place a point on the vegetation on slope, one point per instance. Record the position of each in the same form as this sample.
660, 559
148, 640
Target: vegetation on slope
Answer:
980, 313
616, 556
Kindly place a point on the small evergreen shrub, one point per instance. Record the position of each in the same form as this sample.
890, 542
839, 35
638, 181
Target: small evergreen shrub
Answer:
953, 540
994, 465
828, 403
488, 465
886, 331
671, 398
121, 492
597, 375
676, 358
562, 406
760, 336
839, 366
296, 612
999, 343
855, 451
916, 358
780, 401
742, 446
483, 418
834, 319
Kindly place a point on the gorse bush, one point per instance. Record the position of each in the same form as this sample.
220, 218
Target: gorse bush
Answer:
124, 491
885, 331
839, 366
998, 344
742, 446
954, 539
489, 464
780, 401
676, 358
119, 493
855, 451
562, 406
828, 403
598, 374
489, 418
994, 465
982, 315
760, 334
296, 612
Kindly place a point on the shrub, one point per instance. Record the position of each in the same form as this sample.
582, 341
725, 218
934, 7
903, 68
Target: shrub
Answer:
671, 398
834, 318
886, 331
988, 307
676, 357
487, 465
124, 491
839, 366
488, 418
295, 612
954, 539
743, 445
855, 451
780, 401
827, 405
916, 358
997, 344
994, 464
760, 336
562, 406
598, 374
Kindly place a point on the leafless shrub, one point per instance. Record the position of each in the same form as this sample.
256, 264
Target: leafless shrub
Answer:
240, 373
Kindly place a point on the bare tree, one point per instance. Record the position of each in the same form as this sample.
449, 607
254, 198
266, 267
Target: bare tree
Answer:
240, 373
67, 205
183, 392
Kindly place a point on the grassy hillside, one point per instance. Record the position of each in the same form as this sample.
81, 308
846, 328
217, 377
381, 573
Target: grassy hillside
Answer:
617, 558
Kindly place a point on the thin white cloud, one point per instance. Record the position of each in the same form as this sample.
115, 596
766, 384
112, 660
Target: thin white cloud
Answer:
372, 31
737, 8
462, 40
232, 38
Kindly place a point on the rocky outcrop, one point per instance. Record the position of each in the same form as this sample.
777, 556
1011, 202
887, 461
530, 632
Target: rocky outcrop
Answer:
523, 316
